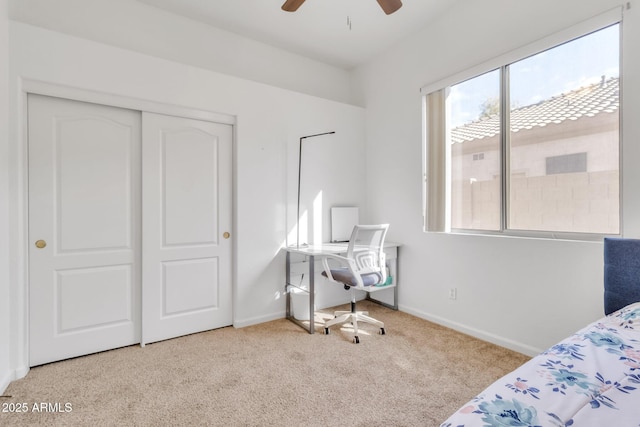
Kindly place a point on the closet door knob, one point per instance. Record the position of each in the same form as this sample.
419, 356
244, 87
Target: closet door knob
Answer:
41, 244
226, 235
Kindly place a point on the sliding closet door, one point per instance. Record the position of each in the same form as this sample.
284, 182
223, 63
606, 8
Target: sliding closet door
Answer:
187, 206
84, 228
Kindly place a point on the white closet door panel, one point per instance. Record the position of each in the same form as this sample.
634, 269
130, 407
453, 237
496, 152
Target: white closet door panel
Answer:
187, 286
84, 191
190, 187
100, 152
93, 297
187, 188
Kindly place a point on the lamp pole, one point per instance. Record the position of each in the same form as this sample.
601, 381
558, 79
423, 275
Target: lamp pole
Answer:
299, 178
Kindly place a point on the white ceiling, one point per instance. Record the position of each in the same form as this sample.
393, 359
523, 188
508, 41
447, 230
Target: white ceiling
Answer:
319, 29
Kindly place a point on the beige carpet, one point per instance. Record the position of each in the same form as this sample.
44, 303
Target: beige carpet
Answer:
273, 374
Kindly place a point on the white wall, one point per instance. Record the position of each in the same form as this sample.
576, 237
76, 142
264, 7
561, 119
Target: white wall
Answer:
269, 122
525, 294
142, 28
5, 371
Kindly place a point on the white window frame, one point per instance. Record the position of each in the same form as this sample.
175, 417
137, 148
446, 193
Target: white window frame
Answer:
438, 218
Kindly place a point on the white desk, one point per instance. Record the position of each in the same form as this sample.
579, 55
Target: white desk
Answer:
312, 251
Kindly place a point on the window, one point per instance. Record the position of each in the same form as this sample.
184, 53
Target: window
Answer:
473, 129
532, 145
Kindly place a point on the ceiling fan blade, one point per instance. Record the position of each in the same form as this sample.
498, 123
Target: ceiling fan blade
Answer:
292, 5
390, 6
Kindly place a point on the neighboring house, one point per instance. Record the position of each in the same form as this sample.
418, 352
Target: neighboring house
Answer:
563, 159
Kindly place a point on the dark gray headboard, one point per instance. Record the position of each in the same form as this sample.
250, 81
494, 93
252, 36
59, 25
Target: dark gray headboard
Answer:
621, 273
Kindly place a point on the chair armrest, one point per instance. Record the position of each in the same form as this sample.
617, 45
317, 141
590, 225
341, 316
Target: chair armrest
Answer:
342, 260
327, 268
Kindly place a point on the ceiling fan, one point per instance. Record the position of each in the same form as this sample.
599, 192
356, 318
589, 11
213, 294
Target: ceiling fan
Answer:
389, 6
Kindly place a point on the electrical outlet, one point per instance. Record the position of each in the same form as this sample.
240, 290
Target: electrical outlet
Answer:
453, 293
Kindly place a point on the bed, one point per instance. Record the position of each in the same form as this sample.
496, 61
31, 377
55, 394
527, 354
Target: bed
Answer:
591, 378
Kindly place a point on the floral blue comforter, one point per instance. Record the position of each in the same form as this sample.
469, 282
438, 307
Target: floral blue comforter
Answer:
591, 379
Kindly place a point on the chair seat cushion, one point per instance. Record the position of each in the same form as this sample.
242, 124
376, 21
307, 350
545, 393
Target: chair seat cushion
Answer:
344, 275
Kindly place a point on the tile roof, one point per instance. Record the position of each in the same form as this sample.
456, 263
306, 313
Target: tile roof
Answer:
603, 97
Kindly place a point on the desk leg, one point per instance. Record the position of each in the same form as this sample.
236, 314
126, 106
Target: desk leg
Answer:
286, 286
287, 290
395, 288
312, 293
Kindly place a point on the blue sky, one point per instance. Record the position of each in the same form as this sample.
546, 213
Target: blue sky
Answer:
558, 70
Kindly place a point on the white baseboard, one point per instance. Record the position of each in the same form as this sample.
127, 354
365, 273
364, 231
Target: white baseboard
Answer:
5, 380
7, 377
243, 323
21, 372
476, 333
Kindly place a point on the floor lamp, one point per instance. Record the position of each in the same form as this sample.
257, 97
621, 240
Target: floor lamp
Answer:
299, 175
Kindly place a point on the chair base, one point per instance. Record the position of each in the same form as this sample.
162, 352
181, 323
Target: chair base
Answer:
353, 318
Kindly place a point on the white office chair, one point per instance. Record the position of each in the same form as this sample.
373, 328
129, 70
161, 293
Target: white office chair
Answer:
361, 269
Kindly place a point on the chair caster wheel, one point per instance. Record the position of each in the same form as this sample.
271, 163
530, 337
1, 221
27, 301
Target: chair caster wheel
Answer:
356, 340
326, 331
382, 331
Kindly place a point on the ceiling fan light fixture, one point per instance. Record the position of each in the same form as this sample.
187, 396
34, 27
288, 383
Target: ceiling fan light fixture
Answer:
390, 6
292, 5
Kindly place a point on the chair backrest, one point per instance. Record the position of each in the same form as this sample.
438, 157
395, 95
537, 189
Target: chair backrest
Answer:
366, 250
621, 273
